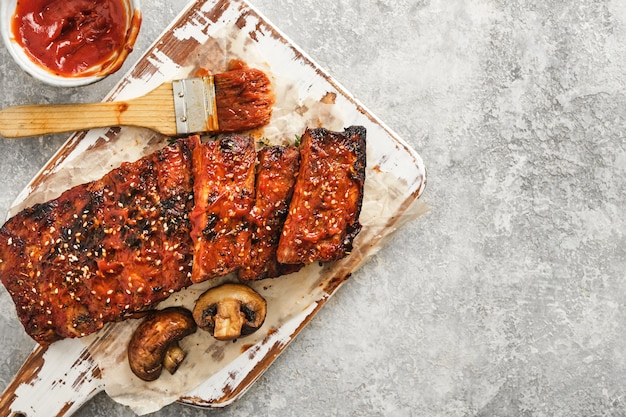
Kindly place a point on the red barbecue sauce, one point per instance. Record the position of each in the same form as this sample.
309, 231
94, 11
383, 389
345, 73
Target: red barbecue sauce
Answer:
70, 36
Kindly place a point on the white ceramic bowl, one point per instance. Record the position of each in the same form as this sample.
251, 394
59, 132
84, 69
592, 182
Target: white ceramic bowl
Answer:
90, 75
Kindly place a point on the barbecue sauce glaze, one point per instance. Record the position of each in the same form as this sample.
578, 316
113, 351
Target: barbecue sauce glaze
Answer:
68, 37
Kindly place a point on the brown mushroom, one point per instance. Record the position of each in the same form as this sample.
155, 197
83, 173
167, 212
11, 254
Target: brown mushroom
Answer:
154, 344
229, 311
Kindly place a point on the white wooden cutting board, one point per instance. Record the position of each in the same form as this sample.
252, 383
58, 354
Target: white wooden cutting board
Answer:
61, 378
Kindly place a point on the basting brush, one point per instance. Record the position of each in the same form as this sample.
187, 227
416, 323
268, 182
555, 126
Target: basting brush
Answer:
236, 100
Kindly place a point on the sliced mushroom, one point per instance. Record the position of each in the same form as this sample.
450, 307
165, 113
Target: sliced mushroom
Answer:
229, 311
154, 345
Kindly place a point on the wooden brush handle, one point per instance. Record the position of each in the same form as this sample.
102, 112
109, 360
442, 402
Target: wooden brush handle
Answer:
34, 120
155, 110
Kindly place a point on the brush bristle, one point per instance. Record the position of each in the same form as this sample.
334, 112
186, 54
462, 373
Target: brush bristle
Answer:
244, 99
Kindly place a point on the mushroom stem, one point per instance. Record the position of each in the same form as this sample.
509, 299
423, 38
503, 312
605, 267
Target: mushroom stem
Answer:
229, 320
173, 358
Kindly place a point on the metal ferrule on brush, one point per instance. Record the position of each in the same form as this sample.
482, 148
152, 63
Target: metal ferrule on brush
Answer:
194, 105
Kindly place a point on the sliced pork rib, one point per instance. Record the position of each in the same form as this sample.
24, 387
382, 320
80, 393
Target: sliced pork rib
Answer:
324, 213
275, 178
224, 194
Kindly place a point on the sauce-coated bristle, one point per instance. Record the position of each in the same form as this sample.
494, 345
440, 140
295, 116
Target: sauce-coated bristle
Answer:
244, 99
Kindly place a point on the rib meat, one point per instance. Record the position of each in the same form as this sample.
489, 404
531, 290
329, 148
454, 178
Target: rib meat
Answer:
324, 211
104, 249
224, 196
275, 178
110, 248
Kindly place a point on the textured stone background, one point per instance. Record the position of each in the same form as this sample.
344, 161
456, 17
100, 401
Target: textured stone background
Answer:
508, 298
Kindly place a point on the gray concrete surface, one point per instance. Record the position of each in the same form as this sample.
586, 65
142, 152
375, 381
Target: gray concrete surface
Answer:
509, 297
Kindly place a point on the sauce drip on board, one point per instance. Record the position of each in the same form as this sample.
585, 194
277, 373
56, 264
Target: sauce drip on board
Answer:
69, 37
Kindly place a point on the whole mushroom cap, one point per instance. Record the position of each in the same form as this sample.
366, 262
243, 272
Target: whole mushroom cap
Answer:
230, 311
